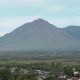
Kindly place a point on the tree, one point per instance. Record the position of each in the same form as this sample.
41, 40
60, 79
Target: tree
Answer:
68, 70
30, 76
5, 73
51, 78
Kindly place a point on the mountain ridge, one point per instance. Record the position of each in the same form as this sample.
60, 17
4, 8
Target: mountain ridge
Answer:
39, 35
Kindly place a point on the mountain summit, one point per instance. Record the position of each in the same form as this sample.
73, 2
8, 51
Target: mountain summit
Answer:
39, 35
39, 20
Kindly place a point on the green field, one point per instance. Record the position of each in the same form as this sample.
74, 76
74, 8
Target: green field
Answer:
62, 61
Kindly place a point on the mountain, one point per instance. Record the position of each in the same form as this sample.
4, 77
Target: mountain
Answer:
40, 35
74, 31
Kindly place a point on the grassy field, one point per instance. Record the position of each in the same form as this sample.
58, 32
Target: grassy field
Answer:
63, 61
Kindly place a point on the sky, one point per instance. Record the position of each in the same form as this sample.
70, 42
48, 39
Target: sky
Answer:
14, 13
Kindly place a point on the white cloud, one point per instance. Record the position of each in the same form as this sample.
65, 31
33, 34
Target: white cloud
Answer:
2, 33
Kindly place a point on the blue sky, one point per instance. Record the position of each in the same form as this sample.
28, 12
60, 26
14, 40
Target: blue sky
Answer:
61, 13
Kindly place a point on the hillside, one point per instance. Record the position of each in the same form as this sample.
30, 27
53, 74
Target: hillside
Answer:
40, 35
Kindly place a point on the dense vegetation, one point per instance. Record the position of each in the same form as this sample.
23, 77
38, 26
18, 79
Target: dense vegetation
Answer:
37, 71
36, 66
